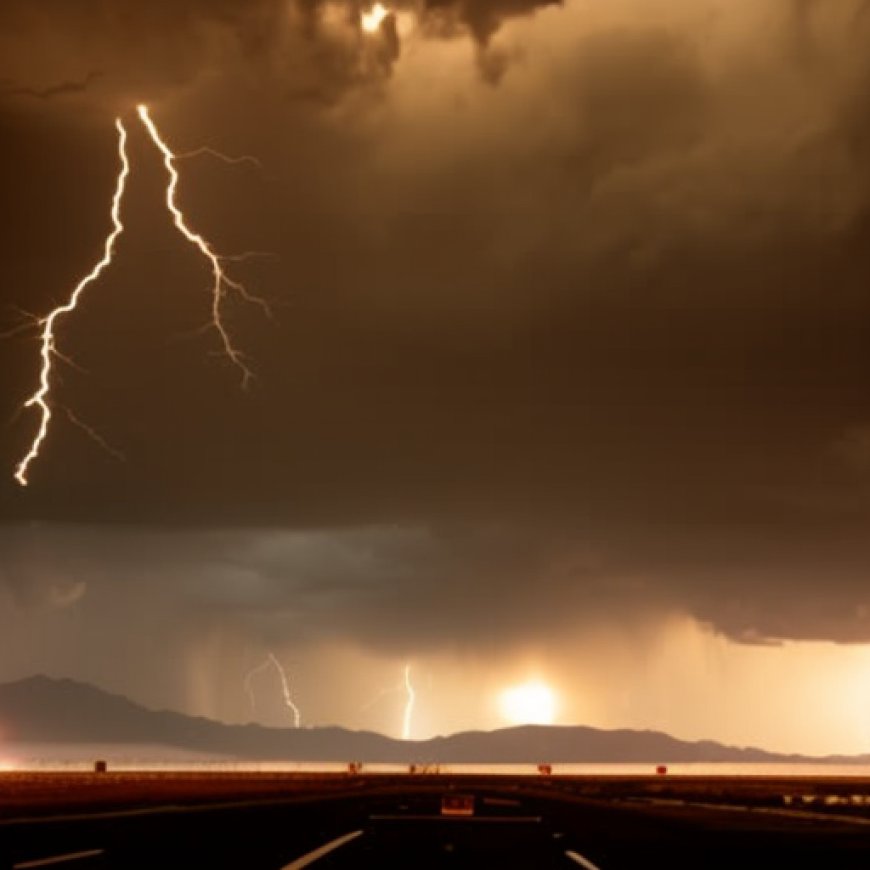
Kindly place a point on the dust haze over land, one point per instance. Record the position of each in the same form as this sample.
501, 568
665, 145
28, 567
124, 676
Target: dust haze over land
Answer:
573, 324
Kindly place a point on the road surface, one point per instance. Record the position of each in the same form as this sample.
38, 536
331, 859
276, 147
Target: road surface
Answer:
394, 827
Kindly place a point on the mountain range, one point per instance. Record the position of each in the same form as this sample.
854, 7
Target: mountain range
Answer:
60, 712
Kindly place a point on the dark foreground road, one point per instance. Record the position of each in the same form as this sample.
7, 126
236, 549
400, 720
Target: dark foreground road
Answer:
396, 826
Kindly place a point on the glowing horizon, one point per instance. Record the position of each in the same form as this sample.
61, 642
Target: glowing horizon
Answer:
532, 703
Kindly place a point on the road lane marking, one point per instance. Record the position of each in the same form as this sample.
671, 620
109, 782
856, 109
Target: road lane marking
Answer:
58, 859
320, 851
577, 858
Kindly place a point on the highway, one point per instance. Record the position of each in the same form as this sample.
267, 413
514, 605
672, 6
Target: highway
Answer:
403, 826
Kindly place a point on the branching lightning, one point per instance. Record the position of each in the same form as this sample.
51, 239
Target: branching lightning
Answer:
95, 437
272, 661
410, 698
220, 280
219, 155
249, 685
48, 352
382, 693
407, 689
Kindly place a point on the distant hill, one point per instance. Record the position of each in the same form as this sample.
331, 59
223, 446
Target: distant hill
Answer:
41, 710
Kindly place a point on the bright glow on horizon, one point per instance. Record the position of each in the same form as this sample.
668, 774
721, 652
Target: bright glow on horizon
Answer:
532, 703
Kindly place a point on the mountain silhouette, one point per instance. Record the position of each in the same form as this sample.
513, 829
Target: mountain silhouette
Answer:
42, 710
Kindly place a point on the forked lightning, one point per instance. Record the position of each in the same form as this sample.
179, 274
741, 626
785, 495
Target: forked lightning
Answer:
49, 353
220, 280
272, 661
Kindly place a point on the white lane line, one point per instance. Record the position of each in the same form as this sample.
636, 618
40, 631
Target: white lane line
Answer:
577, 858
58, 859
319, 852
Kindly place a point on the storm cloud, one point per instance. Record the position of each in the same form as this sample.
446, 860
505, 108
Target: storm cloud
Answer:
585, 338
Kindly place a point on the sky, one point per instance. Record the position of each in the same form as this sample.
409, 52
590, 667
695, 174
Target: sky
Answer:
566, 382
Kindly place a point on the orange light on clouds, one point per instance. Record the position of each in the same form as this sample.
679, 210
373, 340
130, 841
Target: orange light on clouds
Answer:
372, 19
532, 703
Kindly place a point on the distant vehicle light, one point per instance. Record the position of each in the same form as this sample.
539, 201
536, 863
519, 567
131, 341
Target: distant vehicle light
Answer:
457, 805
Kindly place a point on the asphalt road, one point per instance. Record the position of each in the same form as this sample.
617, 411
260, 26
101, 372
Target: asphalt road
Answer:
391, 828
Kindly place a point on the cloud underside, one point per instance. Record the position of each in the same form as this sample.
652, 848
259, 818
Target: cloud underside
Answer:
417, 591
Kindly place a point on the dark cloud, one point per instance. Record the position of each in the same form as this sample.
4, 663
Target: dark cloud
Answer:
60, 89
311, 49
151, 50
593, 340
481, 17
468, 588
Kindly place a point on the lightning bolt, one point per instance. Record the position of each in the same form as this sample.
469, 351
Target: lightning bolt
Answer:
220, 280
47, 326
410, 698
382, 693
271, 660
285, 689
95, 437
219, 155
249, 686
48, 351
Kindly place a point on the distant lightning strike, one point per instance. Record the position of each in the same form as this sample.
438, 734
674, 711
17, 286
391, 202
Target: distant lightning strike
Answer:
285, 689
272, 661
220, 280
249, 686
48, 352
411, 697
405, 687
